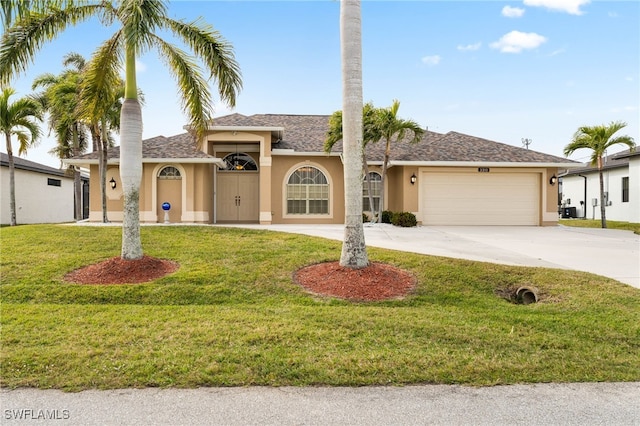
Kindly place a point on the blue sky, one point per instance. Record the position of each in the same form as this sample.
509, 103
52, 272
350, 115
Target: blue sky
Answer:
500, 70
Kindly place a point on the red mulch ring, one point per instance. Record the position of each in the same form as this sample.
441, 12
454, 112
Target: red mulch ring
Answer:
378, 281
119, 271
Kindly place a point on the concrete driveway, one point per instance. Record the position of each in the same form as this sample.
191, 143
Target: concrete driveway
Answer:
608, 252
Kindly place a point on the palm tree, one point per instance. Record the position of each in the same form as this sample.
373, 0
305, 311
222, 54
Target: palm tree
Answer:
100, 111
354, 250
60, 99
18, 119
599, 139
140, 24
370, 133
393, 129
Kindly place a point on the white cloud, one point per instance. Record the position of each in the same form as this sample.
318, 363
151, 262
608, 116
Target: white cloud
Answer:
557, 52
516, 42
570, 6
469, 47
512, 12
431, 60
624, 109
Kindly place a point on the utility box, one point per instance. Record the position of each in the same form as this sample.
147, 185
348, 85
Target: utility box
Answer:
569, 213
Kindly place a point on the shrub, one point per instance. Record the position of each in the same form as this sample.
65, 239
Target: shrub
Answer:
365, 218
387, 216
404, 219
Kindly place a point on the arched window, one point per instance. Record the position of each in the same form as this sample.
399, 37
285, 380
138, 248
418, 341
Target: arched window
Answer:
238, 162
169, 172
307, 192
376, 189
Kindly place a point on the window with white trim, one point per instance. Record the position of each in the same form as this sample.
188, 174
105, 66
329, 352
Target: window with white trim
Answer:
307, 192
376, 189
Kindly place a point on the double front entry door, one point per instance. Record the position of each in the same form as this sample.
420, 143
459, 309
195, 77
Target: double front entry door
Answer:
238, 196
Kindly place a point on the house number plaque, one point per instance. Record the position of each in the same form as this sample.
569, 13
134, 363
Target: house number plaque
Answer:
483, 169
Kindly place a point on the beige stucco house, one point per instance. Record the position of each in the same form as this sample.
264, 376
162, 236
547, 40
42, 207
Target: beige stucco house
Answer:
269, 168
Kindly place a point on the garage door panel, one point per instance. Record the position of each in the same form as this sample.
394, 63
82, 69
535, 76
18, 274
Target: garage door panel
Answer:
479, 198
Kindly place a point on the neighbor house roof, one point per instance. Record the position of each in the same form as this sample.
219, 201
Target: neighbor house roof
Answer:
22, 164
613, 161
305, 134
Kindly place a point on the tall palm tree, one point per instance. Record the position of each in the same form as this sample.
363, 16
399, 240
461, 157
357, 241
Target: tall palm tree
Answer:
140, 21
394, 129
60, 98
100, 111
598, 139
354, 250
17, 119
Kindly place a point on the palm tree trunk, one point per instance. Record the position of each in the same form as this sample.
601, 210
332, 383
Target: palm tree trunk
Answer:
385, 165
354, 251
131, 162
99, 138
12, 181
603, 207
77, 183
131, 177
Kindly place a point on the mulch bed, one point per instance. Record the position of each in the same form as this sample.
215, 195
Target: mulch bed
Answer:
378, 281
119, 271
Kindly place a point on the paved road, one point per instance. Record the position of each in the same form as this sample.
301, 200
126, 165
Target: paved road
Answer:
542, 404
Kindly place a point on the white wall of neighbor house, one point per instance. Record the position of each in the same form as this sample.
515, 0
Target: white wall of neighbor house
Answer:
39, 199
616, 208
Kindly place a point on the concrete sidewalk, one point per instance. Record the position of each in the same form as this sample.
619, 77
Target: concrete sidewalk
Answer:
581, 404
608, 252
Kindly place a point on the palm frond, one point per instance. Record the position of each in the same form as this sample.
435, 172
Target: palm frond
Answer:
102, 78
25, 38
216, 53
195, 95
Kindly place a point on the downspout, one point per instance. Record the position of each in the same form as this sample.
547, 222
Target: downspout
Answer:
584, 210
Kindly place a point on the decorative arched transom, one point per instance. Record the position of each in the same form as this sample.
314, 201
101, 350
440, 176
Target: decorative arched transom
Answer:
169, 172
239, 162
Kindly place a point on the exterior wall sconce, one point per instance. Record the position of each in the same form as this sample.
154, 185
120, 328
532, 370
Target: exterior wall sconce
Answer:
413, 179
553, 180
112, 182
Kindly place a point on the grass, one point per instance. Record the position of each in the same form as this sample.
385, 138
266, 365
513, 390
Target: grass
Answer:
611, 224
231, 316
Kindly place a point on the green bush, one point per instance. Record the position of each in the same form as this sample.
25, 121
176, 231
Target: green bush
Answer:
404, 219
387, 216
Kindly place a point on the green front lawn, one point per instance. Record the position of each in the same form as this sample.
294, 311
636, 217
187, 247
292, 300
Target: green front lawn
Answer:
232, 316
611, 224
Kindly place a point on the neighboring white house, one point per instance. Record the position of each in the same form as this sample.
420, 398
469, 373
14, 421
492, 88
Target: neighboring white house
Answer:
621, 173
43, 194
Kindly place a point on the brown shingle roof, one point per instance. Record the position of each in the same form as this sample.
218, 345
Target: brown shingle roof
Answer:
306, 133
160, 147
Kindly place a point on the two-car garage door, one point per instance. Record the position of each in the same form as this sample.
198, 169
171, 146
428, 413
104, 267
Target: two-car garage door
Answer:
476, 198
